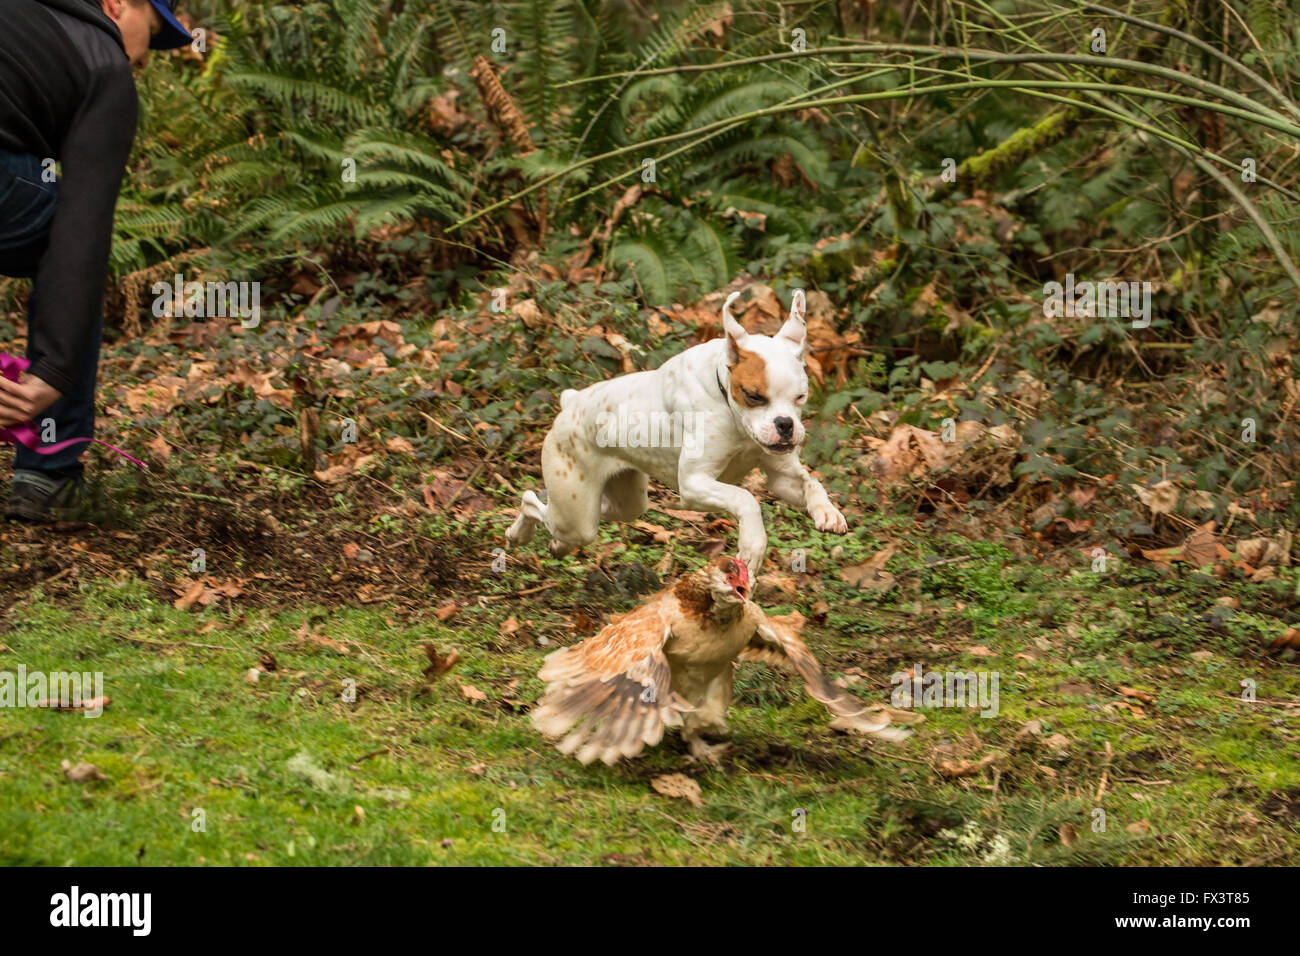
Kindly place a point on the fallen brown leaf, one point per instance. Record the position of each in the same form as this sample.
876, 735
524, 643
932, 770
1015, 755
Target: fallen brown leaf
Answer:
871, 574
659, 534
1289, 638
777, 583
438, 663
186, 600
1160, 499
679, 786
81, 772
1137, 694
683, 515
966, 768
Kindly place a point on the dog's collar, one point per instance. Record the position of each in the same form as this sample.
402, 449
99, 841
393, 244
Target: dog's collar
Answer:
717, 376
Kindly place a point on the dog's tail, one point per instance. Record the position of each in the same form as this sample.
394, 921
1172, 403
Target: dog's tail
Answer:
566, 396
726, 309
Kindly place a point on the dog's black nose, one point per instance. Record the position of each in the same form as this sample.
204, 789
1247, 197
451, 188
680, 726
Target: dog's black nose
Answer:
784, 427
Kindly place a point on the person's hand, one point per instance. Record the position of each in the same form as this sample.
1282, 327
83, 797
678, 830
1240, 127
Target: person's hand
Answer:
23, 400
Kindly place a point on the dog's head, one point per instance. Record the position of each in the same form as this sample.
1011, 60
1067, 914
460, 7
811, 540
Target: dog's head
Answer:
768, 383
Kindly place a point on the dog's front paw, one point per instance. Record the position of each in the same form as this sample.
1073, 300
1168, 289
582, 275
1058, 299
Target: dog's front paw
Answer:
752, 552
828, 518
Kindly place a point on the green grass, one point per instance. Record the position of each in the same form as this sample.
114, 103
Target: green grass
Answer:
280, 766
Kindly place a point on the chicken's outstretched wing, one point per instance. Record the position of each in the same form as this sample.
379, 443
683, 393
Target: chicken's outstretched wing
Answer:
777, 644
612, 693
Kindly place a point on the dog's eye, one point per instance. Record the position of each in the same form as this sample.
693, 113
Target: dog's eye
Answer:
753, 398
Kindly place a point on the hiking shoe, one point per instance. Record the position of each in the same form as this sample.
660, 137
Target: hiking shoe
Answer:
42, 497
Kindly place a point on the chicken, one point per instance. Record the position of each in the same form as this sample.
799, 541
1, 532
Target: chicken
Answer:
671, 663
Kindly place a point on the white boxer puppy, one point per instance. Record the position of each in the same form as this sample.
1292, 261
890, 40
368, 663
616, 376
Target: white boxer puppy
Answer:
699, 423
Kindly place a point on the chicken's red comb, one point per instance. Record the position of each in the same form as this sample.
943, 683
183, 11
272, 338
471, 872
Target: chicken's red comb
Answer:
744, 571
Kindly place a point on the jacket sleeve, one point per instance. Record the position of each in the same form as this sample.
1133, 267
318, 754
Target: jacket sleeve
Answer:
69, 286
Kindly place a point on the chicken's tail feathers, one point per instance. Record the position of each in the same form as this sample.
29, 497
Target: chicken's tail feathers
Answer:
607, 719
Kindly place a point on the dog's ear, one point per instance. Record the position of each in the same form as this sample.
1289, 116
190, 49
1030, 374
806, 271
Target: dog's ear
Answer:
795, 330
734, 331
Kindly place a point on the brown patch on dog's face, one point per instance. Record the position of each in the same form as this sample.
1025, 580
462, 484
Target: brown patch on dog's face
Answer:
749, 380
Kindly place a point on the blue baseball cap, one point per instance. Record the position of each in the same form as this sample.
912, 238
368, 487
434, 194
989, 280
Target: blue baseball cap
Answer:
172, 34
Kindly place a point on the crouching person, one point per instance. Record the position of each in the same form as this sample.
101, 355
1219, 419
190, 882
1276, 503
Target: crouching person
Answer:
67, 94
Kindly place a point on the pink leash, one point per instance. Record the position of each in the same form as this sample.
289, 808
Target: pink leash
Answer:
11, 367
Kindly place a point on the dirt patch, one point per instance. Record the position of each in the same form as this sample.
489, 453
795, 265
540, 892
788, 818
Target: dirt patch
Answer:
273, 549
1283, 806
842, 756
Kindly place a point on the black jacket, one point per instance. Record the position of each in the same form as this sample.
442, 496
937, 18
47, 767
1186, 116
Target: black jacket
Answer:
66, 92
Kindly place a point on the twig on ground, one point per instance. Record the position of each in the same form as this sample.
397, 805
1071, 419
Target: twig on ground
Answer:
1105, 769
148, 643
524, 593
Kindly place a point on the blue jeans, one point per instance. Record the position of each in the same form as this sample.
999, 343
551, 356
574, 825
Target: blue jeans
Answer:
26, 211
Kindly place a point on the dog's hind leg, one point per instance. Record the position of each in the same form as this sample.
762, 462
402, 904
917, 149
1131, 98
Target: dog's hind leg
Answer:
571, 516
573, 512
574, 480
532, 512
625, 497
